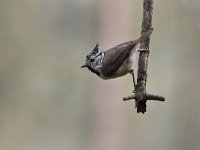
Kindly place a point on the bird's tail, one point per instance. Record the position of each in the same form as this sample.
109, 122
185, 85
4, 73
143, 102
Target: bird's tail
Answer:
144, 36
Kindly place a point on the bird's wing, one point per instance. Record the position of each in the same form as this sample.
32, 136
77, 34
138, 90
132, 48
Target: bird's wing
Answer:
114, 57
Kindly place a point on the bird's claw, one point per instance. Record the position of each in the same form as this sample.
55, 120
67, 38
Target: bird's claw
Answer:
142, 50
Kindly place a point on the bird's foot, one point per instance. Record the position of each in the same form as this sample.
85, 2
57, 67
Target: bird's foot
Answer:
135, 87
142, 50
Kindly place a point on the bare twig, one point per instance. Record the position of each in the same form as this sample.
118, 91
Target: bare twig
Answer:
147, 97
140, 95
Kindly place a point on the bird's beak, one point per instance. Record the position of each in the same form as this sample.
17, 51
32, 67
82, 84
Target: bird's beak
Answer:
83, 66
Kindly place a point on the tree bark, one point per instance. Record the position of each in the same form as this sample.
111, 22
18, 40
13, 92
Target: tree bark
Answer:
140, 95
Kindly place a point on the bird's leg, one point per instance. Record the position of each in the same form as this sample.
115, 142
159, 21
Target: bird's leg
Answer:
132, 73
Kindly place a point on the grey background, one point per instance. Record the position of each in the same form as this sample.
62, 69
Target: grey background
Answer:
48, 103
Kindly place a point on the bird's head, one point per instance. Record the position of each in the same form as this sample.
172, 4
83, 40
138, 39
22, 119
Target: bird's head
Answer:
93, 59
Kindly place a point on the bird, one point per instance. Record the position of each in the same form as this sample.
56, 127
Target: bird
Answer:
115, 62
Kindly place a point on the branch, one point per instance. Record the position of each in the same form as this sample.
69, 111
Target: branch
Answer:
140, 96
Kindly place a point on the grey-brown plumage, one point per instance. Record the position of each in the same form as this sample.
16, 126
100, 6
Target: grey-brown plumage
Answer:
115, 57
116, 61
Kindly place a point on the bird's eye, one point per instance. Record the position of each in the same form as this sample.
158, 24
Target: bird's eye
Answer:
91, 60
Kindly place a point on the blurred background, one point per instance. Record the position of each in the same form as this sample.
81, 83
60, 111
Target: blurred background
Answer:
48, 103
